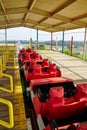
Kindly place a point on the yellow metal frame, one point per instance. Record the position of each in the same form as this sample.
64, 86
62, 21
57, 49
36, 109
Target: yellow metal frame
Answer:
1, 68
11, 119
13, 60
8, 76
11, 83
6, 51
4, 62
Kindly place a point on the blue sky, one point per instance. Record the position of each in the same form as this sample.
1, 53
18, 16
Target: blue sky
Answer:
25, 34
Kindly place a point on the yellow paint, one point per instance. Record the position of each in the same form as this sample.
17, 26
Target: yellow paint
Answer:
1, 68
11, 83
4, 63
18, 90
9, 54
18, 101
11, 117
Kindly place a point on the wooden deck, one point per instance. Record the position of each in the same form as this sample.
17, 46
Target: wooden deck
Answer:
16, 99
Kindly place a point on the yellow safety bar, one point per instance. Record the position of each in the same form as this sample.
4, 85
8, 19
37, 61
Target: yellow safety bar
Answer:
9, 54
8, 76
11, 83
13, 60
3, 62
1, 68
11, 119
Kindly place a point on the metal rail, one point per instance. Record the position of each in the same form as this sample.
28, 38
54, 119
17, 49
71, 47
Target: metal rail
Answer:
9, 124
8, 76
11, 83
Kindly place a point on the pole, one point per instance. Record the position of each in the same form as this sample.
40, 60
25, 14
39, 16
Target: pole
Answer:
63, 42
84, 47
51, 40
71, 46
56, 43
30, 43
6, 37
37, 40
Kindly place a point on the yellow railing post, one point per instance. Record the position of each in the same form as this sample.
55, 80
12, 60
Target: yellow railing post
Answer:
11, 119
14, 60
1, 67
3, 62
8, 76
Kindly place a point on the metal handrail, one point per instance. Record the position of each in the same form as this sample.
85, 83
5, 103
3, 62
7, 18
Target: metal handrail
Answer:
0, 68
11, 83
8, 76
8, 50
11, 117
3, 61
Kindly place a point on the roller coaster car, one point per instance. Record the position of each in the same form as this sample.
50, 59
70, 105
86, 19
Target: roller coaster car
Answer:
23, 56
74, 126
35, 55
77, 127
31, 63
57, 98
36, 71
22, 51
26, 57
29, 50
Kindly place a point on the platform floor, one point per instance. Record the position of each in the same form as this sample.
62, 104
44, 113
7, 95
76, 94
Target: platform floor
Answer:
16, 98
72, 67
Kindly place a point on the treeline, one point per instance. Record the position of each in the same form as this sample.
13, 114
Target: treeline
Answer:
66, 43
59, 43
16, 41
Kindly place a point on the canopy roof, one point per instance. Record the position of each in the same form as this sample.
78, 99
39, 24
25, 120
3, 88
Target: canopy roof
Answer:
47, 15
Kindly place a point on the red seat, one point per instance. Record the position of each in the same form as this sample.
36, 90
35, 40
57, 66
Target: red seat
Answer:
58, 107
45, 63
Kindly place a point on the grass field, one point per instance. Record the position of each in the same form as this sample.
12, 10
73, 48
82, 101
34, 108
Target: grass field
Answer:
76, 52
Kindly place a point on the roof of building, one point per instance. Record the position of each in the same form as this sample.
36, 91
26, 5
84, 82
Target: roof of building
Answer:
46, 15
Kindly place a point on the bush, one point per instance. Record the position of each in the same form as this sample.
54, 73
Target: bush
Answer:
41, 47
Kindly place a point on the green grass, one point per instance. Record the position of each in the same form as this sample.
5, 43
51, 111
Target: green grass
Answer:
78, 55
